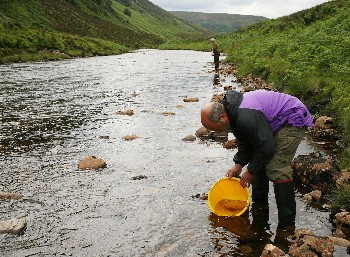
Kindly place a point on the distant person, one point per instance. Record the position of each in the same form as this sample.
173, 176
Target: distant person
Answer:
268, 127
216, 53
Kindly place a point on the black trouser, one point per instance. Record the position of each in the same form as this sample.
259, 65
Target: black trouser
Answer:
216, 60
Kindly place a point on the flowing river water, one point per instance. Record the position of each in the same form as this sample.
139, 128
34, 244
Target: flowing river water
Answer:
53, 114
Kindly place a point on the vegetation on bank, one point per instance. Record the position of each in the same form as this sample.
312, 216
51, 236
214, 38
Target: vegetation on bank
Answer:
305, 54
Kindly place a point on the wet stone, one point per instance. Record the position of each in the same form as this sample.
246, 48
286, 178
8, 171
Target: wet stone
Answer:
4, 196
217, 97
130, 137
272, 251
13, 226
167, 113
189, 138
311, 245
139, 177
230, 144
91, 162
203, 196
191, 99
128, 112
315, 171
342, 222
205, 133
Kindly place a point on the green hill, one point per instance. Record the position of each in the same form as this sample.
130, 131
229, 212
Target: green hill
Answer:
63, 28
219, 22
306, 54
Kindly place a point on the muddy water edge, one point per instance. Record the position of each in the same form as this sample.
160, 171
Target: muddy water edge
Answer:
53, 114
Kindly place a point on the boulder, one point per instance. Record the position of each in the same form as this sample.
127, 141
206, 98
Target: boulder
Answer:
339, 241
13, 226
324, 122
324, 129
342, 222
316, 171
343, 179
311, 246
91, 162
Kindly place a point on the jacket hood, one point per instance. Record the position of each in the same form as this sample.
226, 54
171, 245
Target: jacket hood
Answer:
232, 101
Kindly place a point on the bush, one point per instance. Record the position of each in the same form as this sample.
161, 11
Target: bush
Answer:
127, 12
340, 199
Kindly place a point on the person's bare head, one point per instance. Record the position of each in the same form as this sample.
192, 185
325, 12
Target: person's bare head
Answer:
214, 117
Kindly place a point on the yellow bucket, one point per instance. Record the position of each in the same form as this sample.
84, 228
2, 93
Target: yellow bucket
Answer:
228, 198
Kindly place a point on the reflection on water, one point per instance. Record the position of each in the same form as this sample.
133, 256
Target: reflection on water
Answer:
54, 114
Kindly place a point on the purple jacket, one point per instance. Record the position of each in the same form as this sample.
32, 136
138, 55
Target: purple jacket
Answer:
278, 108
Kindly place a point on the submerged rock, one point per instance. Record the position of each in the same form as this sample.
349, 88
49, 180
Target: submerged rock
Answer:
218, 97
167, 113
126, 112
189, 138
208, 134
315, 171
130, 137
191, 99
13, 226
139, 177
203, 196
91, 162
10, 196
272, 251
230, 144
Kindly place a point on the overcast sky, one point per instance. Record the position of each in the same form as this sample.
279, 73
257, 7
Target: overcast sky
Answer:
266, 8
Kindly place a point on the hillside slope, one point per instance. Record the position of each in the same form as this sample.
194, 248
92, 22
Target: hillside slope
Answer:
219, 22
306, 54
87, 27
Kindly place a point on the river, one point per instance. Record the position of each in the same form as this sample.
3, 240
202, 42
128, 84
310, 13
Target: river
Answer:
53, 114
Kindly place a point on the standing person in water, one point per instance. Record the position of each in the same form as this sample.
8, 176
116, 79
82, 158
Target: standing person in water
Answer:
268, 127
216, 53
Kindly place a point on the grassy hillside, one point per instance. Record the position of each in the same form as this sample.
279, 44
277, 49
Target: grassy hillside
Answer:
219, 22
53, 29
306, 54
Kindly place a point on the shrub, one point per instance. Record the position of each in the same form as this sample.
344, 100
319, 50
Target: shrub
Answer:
127, 12
340, 199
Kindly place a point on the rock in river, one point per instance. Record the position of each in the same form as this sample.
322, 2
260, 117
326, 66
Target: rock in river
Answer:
91, 163
13, 226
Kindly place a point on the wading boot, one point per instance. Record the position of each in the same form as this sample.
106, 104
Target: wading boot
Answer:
286, 206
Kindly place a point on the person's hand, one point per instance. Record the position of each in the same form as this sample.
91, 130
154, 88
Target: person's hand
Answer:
234, 171
246, 179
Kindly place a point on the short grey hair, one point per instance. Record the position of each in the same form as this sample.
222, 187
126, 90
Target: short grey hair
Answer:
214, 115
